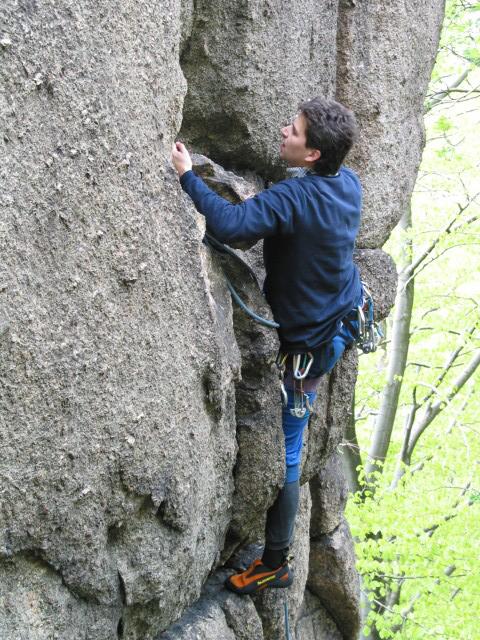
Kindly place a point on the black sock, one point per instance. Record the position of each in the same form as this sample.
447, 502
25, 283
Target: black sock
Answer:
273, 558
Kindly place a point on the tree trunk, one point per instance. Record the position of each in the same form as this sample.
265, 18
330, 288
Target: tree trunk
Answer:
351, 453
398, 358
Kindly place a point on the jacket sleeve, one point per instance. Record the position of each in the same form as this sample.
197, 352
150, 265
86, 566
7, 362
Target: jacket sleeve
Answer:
268, 213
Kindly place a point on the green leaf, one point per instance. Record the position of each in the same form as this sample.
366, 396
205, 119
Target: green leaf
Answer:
443, 124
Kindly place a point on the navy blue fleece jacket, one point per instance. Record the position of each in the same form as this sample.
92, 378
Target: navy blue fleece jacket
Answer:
309, 225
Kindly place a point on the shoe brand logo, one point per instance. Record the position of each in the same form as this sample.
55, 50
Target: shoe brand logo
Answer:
259, 582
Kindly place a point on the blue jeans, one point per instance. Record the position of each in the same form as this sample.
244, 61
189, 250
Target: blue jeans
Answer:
325, 358
281, 515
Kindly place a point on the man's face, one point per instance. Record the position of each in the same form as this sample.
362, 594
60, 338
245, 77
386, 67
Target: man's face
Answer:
294, 148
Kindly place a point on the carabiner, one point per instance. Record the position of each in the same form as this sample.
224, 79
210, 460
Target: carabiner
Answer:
296, 364
361, 322
280, 363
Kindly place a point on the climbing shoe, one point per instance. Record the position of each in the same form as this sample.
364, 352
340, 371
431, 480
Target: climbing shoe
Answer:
258, 577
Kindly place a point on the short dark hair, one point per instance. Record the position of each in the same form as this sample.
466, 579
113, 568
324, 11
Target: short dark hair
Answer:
332, 129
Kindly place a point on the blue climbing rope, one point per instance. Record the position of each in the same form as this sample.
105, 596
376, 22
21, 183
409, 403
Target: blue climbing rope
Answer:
287, 624
212, 242
266, 323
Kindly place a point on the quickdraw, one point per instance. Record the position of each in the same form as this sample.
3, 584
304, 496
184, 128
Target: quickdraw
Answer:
367, 333
301, 363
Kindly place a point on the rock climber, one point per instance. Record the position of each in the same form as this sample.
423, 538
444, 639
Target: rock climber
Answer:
308, 224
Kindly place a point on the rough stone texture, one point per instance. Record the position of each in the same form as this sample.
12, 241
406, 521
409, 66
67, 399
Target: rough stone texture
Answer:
384, 60
204, 621
314, 623
330, 414
117, 372
332, 577
260, 465
329, 493
243, 618
240, 90
227, 184
378, 272
217, 611
34, 603
124, 369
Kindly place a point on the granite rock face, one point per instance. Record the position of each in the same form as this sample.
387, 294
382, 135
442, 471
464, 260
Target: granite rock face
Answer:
384, 61
240, 90
329, 494
139, 409
331, 413
35, 603
118, 369
314, 623
378, 272
334, 580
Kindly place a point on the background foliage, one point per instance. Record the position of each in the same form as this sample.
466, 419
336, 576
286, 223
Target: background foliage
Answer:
418, 542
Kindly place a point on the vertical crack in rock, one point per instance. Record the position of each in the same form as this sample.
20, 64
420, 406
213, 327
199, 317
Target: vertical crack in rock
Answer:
121, 588
120, 629
123, 598
258, 419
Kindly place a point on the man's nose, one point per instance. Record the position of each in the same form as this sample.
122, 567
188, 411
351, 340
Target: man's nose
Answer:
284, 131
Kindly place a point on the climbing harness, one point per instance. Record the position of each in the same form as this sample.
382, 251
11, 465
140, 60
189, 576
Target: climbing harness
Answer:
215, 244
301, 363
367, 334
363, 329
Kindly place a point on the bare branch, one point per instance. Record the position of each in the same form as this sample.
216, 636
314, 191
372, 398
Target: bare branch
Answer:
412, 414
448, 364
410, 269
437, 407
431, 530
384, 575
429, 262
404, 615
440, 95
453, 423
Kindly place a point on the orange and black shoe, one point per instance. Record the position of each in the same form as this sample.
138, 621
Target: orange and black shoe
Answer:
258, 577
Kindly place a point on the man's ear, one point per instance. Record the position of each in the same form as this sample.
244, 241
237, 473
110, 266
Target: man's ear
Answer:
313, 156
